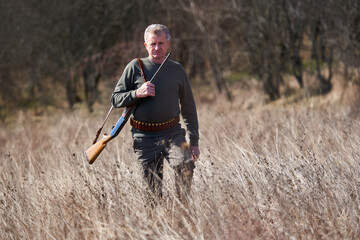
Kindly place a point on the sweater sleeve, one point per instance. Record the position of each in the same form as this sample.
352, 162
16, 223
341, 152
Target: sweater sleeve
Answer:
188, 111
124, 92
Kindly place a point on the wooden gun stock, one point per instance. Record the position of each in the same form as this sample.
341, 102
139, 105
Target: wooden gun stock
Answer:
94, 151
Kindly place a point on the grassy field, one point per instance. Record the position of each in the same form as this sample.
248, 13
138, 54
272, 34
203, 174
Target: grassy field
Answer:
270, 171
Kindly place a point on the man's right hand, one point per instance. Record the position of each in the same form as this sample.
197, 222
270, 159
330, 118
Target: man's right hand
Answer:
195, 152
147, 89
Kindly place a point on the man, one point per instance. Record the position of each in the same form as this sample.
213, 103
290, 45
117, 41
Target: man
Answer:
156, 131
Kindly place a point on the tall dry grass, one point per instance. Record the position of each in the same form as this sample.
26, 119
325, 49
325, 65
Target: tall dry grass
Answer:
274, 172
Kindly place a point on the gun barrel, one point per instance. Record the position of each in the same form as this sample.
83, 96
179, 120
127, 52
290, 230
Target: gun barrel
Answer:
158, 70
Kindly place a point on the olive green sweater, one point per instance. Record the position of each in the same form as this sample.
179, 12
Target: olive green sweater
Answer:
173, 95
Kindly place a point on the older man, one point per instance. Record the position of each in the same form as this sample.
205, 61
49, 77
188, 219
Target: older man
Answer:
156, 130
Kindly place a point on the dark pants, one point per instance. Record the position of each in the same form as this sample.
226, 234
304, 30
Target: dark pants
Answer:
171, 145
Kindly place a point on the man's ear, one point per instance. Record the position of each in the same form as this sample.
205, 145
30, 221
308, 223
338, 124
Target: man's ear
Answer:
145, 44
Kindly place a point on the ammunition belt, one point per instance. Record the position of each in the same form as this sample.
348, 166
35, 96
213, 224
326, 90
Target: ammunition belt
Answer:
154, 127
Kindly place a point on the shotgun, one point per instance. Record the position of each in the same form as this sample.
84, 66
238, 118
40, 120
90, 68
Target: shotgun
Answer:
94, 151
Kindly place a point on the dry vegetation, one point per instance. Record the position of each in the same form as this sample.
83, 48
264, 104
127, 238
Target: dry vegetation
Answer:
276, 171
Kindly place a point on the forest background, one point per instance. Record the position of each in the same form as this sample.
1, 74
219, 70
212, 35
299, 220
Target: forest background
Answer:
74, 51
276, 83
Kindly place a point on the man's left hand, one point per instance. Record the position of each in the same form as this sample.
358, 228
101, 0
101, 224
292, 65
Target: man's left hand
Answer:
195, 152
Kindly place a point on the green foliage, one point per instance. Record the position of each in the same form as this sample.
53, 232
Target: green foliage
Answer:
238, 77
310, 65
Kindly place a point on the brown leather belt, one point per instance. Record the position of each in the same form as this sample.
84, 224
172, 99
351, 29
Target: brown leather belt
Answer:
154, 127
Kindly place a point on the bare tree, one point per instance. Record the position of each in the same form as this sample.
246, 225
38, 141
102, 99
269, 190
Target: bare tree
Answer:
202, 39
295, 28
266, 43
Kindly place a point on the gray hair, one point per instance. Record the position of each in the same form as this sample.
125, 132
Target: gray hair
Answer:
157, 29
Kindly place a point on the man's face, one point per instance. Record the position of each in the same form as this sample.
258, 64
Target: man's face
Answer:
157, 46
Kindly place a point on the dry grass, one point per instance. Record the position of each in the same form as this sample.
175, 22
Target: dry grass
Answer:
273, 172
